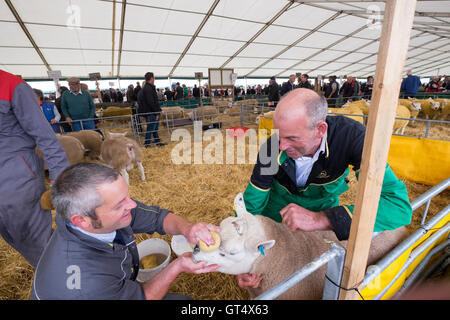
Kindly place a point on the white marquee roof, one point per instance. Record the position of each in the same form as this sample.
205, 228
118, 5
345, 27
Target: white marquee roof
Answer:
176, 38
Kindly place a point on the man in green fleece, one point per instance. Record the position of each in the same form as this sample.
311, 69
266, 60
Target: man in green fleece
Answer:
78, 107
311, 155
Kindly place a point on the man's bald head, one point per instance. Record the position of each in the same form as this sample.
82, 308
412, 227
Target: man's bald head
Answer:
299, 103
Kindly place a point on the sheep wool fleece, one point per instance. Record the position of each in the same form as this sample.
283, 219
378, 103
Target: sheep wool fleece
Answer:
267, 194
23, 224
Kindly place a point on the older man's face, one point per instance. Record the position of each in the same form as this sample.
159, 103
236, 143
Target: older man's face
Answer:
74, 86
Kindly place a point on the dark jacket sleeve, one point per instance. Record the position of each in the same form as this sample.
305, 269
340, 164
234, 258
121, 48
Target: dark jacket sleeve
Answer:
148, 219
33, 122
256, 195
394, 209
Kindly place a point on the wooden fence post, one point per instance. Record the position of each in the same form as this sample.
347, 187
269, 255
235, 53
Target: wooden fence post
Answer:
395, 34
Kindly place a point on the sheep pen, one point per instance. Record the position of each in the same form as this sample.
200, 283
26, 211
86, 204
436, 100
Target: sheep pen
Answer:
198, 192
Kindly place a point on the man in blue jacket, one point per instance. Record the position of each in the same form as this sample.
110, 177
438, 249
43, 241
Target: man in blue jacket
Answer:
410, 85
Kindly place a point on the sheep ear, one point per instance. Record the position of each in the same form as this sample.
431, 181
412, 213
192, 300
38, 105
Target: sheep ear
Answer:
240, 226
239, 205
265, 245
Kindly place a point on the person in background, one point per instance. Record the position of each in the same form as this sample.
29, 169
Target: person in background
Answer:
304, 83
366, 89
149, 105
273, 92
24, 225
288, 85
178, 92
64, 125
350, 89
78, 107
119, 95
331, 91
410, 85
433, 85
50, 111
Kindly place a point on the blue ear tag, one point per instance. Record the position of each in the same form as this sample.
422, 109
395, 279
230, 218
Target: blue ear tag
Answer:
261, 249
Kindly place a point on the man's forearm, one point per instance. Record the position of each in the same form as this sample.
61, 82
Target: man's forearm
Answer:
174, 224
157, 287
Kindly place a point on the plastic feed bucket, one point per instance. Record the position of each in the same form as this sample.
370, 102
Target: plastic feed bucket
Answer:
153, 246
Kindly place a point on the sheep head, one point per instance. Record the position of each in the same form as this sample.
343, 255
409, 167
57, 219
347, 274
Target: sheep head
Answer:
243, 240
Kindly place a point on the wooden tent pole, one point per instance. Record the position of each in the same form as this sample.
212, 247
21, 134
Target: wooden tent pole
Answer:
395, 34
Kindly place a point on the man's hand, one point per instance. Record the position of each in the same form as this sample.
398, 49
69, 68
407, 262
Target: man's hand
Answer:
201, 231
299, 218
186, 264
53, 121
248, 280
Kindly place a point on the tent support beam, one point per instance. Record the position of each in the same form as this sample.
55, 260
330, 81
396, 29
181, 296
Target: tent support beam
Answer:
392, 54
324, 49
295, 43
122, 24
200, 27
113, 37
256, 35
27, 33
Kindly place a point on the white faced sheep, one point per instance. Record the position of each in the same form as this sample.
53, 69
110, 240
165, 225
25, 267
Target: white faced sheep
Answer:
91, 140
444, 105
413, 106
122, 153
285, 252
430, 108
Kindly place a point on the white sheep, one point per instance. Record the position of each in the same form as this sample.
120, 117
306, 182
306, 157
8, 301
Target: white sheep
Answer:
444, 105
201, 113
430, 108
413, 106
122, 153
91, 140
244, 239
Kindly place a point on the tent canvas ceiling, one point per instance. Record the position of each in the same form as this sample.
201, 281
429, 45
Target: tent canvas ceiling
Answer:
176, 38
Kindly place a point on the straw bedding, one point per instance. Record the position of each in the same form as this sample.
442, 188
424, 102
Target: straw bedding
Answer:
202, 192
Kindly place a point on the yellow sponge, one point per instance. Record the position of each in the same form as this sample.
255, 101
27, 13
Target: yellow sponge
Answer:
205, 248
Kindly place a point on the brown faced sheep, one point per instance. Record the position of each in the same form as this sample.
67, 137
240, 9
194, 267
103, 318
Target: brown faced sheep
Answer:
122, 153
